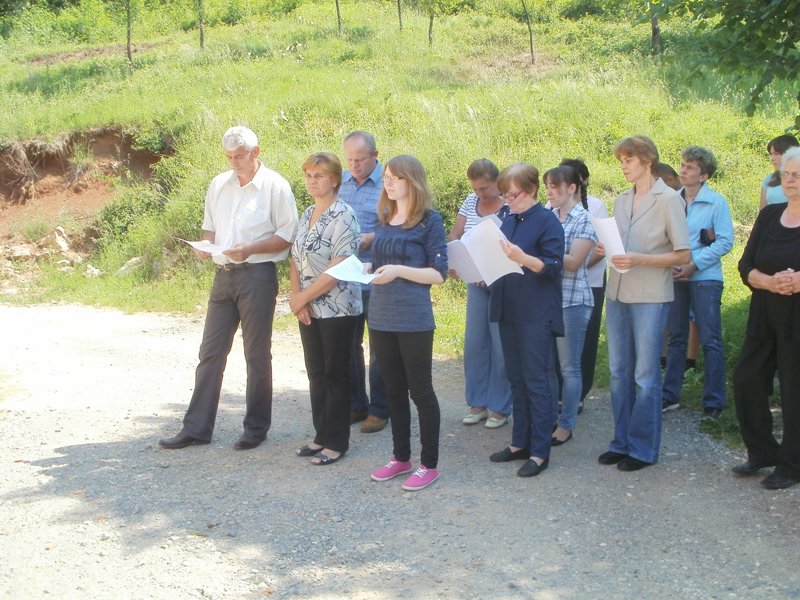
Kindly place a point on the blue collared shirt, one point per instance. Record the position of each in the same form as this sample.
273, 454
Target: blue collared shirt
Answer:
709, 210
364, 200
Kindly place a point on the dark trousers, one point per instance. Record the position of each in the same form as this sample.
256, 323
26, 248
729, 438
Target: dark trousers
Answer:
589, 355
528, 351
406, 361
326, 347
752, 386
245, 294
375, 403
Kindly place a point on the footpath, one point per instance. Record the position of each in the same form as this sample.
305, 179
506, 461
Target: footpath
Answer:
90, 507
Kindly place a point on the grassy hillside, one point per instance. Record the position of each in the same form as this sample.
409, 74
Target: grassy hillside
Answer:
283, 70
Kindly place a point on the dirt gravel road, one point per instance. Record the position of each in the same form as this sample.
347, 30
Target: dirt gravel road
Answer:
90, 507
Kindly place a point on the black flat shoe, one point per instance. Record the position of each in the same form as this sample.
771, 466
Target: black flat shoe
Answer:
324, 460
532, 468
506, 455
632, 464
752, 466
778, 481
307, 451
557, 442
610, 458
247, 443
181, 441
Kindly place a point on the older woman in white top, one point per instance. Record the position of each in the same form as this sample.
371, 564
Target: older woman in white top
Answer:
486, 386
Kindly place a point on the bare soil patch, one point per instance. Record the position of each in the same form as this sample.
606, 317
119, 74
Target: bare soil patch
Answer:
69, 179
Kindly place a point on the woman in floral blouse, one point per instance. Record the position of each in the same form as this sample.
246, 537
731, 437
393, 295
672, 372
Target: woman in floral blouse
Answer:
325, 307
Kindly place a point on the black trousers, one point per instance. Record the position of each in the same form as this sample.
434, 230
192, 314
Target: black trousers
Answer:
246, 295
406, 362
327, 344
752, 386
589, 356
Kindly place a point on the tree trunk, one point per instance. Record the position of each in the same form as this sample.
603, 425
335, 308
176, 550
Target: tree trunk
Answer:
655, 35
430, 29
399, 15
530, 30
130, 25
201, 20
339, 17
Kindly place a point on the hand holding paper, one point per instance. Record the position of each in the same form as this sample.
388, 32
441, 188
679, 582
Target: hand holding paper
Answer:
608, 234
350, 269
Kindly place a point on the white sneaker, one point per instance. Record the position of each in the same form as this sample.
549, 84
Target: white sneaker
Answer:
475, 418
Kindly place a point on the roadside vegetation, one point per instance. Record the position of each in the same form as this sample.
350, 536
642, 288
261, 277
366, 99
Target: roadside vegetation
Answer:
281, 67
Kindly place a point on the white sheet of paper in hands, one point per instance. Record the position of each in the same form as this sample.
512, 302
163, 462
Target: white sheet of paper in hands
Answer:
205, 246
608, 234
351, 269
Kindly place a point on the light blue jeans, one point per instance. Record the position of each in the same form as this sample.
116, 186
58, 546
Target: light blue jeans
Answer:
486, 383
635, 334
570, 350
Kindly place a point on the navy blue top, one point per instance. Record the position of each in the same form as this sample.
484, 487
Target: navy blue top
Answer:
404, 305
518, 298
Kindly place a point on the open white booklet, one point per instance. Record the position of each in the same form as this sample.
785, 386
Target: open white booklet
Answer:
477, 256
351, 269
608, 233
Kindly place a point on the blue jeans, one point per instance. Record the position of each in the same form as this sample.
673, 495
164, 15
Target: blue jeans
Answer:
486, 384
704, 298
570, 350
527, 348
376, 403
635, 334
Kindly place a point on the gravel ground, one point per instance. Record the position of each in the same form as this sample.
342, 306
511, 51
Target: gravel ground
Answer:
90, 507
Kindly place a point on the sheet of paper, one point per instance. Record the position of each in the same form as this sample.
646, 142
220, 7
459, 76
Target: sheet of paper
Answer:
350, 269
608, 234
483, 244
204, 246
459, 260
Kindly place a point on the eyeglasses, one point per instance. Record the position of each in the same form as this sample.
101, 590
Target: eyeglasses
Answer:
790, 174
507, 196
391, 179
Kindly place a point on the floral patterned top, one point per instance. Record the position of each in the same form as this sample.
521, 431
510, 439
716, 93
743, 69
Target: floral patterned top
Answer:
336, 233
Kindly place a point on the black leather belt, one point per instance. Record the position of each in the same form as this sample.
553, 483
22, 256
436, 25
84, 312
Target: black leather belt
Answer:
244, 265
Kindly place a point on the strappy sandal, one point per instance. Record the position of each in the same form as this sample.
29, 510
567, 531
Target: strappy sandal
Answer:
324, 459
308, 451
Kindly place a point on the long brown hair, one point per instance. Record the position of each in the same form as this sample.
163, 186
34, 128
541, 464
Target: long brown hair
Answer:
420, 197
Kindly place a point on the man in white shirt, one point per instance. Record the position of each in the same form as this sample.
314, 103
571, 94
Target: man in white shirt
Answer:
250, 211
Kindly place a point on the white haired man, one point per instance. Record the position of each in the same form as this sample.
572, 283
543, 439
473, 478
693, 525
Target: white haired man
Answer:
249, 210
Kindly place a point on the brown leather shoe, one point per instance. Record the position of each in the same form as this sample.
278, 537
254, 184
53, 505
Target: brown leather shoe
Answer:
373, 424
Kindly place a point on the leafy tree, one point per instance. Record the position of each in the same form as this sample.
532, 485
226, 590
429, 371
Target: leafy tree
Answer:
747, 38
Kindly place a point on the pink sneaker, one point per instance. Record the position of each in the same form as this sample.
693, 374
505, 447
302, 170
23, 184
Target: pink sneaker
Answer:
421, 479
392, 469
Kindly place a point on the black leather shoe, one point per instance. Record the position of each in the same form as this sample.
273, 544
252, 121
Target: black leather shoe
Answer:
632, 464
181, 441
752, 466
610, 458
531, 468
247, 443
506, 455
778, 481
557, 442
